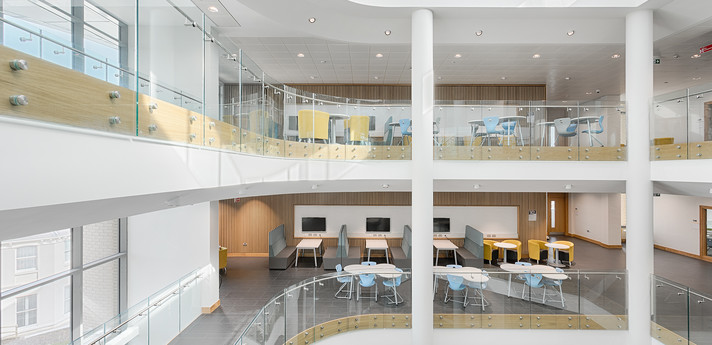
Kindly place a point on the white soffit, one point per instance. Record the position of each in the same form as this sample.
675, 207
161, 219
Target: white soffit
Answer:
500, 3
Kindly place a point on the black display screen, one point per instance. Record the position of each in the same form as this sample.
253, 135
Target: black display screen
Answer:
441, 224
378, 224
313, 224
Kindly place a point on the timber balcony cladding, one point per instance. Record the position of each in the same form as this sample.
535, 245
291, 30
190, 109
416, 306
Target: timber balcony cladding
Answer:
64, 96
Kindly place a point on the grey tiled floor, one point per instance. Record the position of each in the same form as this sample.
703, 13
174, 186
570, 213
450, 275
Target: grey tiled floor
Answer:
249, 285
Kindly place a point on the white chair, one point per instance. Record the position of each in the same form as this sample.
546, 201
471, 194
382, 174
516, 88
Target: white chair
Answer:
554, 283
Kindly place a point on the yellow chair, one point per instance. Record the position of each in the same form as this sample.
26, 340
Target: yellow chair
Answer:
222, 259
538, 250
490, 252
519, 248
566, 254
358, 128
313, 124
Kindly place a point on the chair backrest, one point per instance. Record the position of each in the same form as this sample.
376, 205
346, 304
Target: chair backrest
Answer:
570, 250
342, 247
533, 280
407, 240
454, 266
455, 282
522, 263
474, 241
368, 263
277, 242
338, 268
509, 126
313, 124
358, 127
398, 278
564, 126
387, 131
600, 124
366, 279
491, 123
404, 125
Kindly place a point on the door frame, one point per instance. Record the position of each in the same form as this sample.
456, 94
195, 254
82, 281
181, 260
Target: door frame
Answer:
703, 233
565, 197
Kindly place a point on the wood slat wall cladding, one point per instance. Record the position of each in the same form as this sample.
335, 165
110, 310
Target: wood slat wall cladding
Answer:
527, 92
250, 220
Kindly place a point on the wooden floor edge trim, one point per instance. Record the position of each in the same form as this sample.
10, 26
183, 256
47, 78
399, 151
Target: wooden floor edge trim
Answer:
210, 309
680, 252
590, 240
252, 255
654, 325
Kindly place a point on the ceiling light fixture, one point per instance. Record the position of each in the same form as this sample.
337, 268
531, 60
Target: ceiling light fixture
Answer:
213, 9
312, 20
696, 78
567, 78
571, 33
458, 55
676, 56
567, 186
376, 77
379, 55
440, 78
476, 186
322, 61
503, 78
312, 77
695, 56
385, 185
615, 56
300, 55
478, 33
536, 56
589, 93
315, 186
710, 190
387, 32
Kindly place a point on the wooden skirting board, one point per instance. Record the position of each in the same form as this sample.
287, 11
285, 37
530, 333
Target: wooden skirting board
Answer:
667, 336
210, 309
251, 255
609, 246
442, 321
680, 252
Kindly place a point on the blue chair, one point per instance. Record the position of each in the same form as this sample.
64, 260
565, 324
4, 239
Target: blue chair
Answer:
392, 284
388, 132
441, 276
554, 283
590, 131
455, 283
533, 281
508, 129
368, 263
367, 281
564, 128
477, 287
405, 133
491, 123
344, 280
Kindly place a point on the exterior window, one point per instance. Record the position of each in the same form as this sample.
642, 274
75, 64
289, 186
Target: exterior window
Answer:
26, 258
26, 310
553, 214
67, 299
67, 250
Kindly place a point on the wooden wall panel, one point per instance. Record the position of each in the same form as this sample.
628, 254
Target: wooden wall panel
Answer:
536, 92
250, 220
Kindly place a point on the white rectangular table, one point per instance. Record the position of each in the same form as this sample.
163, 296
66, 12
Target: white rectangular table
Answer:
444, 245
309, 243
377, 245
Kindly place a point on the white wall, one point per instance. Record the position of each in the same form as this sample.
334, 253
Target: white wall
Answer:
497, 221
676, 222
165, 245
596, 216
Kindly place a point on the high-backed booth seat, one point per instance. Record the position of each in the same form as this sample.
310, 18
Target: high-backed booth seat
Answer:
566, 255
514, 254
358, 129
342, 254
472, 252
313, 124
402, 255
491, 253
538, 250
280, 256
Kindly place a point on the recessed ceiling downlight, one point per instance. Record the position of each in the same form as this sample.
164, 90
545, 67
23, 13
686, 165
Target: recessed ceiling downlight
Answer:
300, 55
536, 56
478, 33
570, 33
312, 20
387, 32
379, 55
615, 56
458, 55
213, 9
695, 56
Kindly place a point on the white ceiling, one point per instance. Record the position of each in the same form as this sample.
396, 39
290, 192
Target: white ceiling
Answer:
272, 36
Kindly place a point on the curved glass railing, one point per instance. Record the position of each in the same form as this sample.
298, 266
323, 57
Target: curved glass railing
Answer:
681, 315
320, 307
152, 87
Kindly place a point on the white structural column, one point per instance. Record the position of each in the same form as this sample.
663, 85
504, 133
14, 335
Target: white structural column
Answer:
422, 182
639, 188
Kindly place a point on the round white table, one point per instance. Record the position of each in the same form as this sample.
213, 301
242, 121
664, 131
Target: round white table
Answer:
505, 246
385, 271
546, 271
557, 247
544, 126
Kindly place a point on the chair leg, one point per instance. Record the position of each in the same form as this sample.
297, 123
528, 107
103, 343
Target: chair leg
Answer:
598, 141
447, 289
464, 302
543, 298
561, 293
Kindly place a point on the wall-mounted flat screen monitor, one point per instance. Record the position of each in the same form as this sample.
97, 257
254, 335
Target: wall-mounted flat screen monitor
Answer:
441, 224
313, 224
378, 224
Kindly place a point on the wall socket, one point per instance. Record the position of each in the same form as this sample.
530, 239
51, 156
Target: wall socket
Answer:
244, 244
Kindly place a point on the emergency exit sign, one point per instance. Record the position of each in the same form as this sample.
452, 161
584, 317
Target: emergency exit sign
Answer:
705, 49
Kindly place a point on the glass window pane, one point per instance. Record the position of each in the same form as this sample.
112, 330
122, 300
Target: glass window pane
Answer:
100, 294
37, 316
30, 258
100, 240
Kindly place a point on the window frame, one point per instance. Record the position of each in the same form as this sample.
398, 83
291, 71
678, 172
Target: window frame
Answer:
18, 258
26, 313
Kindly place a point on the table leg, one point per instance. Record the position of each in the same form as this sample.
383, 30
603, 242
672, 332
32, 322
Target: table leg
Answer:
388, 262
454, 253
505, 256
509, 285
437, 256
315, 265
521, 139
588, 127
369, 255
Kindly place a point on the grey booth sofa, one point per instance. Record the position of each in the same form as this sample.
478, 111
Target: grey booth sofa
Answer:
402, 255
343, 253
472, 252
280, 256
